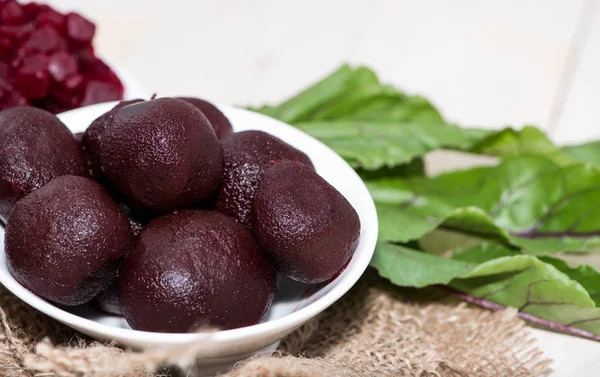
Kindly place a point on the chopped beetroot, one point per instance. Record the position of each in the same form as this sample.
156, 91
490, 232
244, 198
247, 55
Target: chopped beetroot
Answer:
33, 79
4, 71
6, 46
46, 40
62, 65
49, 17
9, 97
11, 13
86, 56
16, 32
31, 10
80, 29
47, 60
73, 82
97, 91
64, 97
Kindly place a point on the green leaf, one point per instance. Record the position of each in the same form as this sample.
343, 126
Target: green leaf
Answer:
353, 94
589, 152
529, 202
372, 144
407, 267
529, 140
531, 285
585, 275
497, 273
342, 80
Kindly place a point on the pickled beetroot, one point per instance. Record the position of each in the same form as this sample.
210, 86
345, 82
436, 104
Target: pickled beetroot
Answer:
62, 65
33, 79
47, 60
79, 29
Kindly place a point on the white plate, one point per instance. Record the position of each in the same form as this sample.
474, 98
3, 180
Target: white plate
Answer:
294, 303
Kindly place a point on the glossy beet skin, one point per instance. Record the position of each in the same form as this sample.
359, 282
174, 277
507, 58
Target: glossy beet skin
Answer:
65, 240
161, 155
217, 119
246, 156
195, 269
92, 138
35, 147
308, 230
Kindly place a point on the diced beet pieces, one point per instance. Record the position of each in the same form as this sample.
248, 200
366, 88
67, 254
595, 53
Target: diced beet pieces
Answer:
46, 40
97, 92
73, 82
47, 60
79, 29
62, 65
49, 17
11, 13
4, 71
86, 56
31, 10
6, 46
33, 79
16, 32
9, 97
64, 97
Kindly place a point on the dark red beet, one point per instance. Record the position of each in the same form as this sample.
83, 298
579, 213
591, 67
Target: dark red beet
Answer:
108, 300
45, 40
33, 79
10, 97
16, 33
98, 92
6, 46
32, 10
11, 13
62, 65
92, 138
307, 229
167, 142
65, 240
48, 60
217, 119
73, 82
47, 16
35, 147
195, 269
80, 29
246, 155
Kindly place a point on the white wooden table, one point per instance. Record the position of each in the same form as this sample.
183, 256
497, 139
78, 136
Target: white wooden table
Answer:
487, 63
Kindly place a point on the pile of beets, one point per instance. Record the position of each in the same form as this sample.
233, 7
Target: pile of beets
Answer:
47, 60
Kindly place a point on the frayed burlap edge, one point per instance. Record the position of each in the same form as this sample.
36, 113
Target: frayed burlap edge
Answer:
372, 331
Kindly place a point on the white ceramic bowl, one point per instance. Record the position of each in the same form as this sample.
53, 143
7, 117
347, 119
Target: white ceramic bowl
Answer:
294, 303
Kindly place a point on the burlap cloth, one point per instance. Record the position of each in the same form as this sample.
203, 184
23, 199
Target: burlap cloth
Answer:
373, 331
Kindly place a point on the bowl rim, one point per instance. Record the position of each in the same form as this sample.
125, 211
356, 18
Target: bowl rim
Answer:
347, 278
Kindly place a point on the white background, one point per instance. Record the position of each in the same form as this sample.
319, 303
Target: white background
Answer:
483, 63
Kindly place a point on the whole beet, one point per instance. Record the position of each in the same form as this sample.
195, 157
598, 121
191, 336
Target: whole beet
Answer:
217, 119
308, 230
246, 156
65, 240
35, 147
161, 155
193, 269
92, 138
